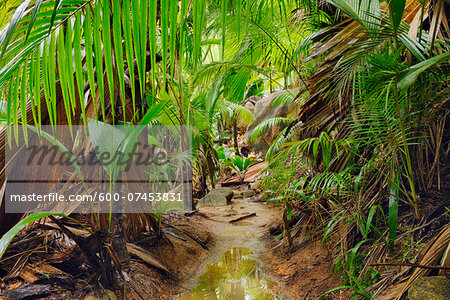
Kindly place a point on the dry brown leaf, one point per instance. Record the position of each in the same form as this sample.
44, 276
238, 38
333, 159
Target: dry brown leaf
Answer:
145, 256
28, 275
446, 261
430, 256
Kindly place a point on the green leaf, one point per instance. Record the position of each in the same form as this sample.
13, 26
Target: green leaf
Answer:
289, 213
61, 147
79, 64
16, 109
365, 12
23, 104
99, 57
8, 237
315, 149
393, 210
37, 86
52, 79
90, 57
266, 125
144, 32
239, 162
398, 8
9, 121
63, 75
55, 10
117, 33
173, 32
128, 40
199, 8
107, 51
224, 24
69, 74
408, 76
372, 212
331, 224
137, 44
107, 138
152, 41
15, 20
36, 8
153, 112
164, 31
248, 161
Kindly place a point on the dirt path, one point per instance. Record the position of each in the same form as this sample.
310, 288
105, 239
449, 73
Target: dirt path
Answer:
244, 234
302, 272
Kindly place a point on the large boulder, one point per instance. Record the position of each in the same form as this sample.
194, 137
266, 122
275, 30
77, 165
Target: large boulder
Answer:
250, 104
427, 288
264, 110
216, 197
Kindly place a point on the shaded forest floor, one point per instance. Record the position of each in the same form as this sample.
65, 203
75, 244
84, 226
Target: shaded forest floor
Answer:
193, 243
303, 272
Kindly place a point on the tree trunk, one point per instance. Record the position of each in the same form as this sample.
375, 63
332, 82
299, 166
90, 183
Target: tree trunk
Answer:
235, 136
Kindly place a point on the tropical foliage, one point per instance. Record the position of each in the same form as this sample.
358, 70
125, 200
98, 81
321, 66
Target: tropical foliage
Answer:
372, 80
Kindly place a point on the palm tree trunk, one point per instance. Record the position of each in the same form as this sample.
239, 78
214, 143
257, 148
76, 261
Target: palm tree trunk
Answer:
235, 136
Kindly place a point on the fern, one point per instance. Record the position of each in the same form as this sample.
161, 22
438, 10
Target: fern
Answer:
267, 124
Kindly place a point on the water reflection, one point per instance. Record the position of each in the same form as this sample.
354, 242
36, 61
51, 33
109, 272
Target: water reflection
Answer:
236, 276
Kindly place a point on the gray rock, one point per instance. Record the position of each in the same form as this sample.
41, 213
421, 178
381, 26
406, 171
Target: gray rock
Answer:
216, 197
430, 288
248, 193
264, 110
238, 196
248, 103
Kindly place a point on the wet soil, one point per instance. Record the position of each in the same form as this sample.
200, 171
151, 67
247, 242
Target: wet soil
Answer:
302, 272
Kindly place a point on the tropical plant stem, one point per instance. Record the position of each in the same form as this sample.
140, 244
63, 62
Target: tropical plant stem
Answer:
438, 11
409, 171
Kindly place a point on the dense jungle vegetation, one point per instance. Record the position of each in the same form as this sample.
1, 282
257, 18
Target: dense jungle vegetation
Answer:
361, 153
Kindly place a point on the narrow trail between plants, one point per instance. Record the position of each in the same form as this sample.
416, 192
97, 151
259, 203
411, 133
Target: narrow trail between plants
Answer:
233, 268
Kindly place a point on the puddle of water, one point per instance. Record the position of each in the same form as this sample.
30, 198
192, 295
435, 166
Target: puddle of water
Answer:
236, 276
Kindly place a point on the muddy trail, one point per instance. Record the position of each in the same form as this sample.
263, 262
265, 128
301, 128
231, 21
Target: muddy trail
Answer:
244, 262
233, 268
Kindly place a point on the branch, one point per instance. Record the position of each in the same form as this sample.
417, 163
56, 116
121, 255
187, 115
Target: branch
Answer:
410, 265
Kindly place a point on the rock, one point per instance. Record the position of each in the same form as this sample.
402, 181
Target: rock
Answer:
264, 110
216, 197
248, 103
427, 288
228, 213
109, 295
238, 196
248, 193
